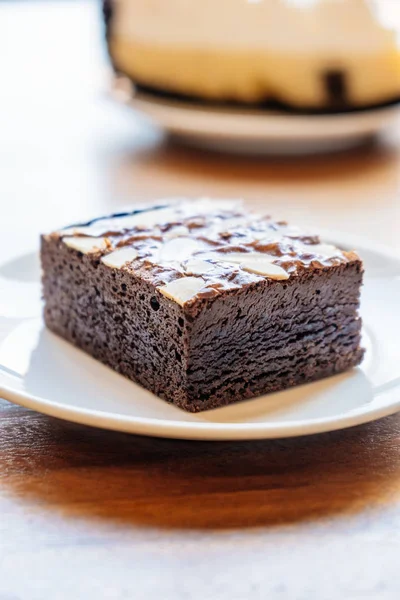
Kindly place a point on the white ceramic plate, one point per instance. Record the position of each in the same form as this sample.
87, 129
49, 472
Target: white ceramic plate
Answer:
40, 371
256, 131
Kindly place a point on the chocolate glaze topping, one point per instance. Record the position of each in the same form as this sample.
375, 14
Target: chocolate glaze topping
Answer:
216, 242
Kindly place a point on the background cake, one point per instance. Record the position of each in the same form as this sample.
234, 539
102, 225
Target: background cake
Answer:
308, 54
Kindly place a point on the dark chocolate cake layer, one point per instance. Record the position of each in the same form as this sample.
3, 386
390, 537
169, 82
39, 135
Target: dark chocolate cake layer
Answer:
203, 303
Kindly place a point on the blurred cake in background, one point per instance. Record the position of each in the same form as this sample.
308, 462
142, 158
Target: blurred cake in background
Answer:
303, 54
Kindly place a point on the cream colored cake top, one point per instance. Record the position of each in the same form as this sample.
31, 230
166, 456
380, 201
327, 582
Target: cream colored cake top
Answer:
329, 28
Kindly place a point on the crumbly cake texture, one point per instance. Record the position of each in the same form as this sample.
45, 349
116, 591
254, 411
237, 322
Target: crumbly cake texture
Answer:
203, 302
324, 56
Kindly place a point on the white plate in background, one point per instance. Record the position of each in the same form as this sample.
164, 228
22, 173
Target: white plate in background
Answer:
261, 131
42, 372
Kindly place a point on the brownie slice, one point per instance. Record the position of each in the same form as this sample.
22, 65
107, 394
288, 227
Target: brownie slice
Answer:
202, 302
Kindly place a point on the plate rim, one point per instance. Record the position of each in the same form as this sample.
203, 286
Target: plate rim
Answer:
211, 431
251, 124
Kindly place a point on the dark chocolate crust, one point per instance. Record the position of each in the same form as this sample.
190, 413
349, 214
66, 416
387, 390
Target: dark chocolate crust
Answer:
334, 104
262, 336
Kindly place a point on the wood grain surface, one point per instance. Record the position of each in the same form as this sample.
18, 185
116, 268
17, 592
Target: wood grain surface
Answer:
86, 513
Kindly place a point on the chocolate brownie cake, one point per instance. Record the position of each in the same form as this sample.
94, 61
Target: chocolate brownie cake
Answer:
202, 302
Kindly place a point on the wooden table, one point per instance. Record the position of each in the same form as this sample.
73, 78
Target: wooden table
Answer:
88, 514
